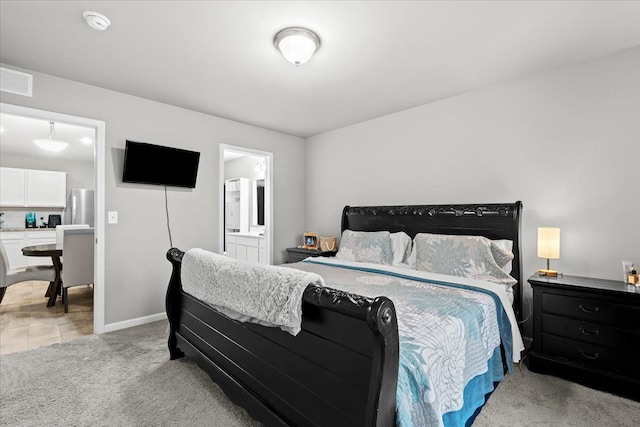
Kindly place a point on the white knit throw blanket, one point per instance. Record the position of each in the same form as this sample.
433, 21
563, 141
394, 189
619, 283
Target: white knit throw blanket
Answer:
258, 293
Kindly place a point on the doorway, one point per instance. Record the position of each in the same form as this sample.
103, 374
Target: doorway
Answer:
246, 204
96, 130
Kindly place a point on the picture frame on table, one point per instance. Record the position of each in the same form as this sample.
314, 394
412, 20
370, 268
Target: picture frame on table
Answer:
310, 240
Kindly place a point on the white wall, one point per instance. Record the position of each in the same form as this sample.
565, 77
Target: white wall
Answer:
565, 142
137, 272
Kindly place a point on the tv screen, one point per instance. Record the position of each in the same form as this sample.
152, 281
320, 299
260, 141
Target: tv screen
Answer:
155, 164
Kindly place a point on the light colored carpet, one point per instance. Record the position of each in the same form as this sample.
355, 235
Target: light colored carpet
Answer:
125, 378
527, 399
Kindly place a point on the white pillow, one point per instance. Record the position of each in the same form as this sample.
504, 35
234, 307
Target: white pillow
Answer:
411, 259
401, 247
505, 244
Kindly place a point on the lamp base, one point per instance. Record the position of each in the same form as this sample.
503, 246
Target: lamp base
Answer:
548, 273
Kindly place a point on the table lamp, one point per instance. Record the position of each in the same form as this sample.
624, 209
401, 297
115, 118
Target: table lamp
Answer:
548, 247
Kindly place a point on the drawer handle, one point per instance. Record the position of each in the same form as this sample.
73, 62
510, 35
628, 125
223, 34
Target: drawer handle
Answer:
586, 310
595, 332
589, 356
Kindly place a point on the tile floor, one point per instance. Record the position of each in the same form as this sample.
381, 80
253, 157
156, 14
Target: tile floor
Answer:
26, 322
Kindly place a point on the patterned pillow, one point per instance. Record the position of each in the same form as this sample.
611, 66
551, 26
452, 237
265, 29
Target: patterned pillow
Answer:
462, 256
364, 246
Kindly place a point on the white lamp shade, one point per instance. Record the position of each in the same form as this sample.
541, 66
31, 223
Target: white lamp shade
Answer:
51, 144
549, 242
297, 44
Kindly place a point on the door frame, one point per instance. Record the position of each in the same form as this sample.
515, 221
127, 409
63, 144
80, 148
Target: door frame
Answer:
268, 195
99, 175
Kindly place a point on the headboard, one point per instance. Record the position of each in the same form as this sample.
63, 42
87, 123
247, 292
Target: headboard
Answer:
491, 220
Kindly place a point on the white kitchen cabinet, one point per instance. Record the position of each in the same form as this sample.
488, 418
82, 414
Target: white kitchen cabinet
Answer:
32, 188
12, 187
231, 246
246, 247
241, 252
46, 188
262, 251
14, 241
252, 254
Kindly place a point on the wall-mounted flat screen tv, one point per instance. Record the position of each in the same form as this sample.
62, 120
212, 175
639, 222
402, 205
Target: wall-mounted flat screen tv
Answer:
155, 164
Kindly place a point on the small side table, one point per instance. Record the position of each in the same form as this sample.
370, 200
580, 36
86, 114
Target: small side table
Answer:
298, 254
587, 330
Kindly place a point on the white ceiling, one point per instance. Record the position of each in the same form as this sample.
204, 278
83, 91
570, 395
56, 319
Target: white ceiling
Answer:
17, 135
376, 58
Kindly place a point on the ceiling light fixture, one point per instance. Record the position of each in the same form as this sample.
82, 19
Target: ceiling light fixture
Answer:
86, 140
297, 44
51, 144
96, 20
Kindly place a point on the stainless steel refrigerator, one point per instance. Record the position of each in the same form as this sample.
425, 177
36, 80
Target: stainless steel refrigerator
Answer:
80, 207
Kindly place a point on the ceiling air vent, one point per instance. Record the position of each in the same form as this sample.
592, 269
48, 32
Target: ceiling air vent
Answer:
17, 82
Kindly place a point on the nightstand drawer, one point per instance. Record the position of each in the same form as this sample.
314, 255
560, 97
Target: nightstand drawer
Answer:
590, 332
589, 355
591, 309
296, 257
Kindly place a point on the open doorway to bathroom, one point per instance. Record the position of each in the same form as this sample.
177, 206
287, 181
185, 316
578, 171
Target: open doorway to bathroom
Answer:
246, 204
28, 317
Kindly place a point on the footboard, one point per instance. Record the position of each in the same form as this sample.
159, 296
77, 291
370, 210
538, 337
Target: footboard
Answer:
340, 370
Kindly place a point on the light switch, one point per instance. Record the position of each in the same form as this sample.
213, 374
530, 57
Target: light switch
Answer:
113, 217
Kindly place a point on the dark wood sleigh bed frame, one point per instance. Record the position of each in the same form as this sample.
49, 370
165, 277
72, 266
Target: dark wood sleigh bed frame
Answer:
342, 368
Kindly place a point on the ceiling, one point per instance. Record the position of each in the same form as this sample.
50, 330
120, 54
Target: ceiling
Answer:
375, 58
17, 134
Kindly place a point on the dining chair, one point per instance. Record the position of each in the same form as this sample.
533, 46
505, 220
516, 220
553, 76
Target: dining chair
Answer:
10, 276
60, 231
77, 268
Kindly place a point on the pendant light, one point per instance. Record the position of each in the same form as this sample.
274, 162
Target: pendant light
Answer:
297, 44
51, 143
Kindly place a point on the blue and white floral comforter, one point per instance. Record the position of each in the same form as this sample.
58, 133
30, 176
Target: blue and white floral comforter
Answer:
450, 331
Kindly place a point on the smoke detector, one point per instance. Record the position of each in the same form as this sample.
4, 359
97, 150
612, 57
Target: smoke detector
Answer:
96, 20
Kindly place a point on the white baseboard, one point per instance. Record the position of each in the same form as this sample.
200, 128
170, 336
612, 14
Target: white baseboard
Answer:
134, 322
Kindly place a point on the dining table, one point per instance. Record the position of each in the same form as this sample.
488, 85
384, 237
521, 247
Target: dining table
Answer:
53, 251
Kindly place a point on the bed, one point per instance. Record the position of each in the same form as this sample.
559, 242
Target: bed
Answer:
342, 369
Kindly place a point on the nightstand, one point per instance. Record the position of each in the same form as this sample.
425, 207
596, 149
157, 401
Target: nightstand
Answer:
298, 254
587, 330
